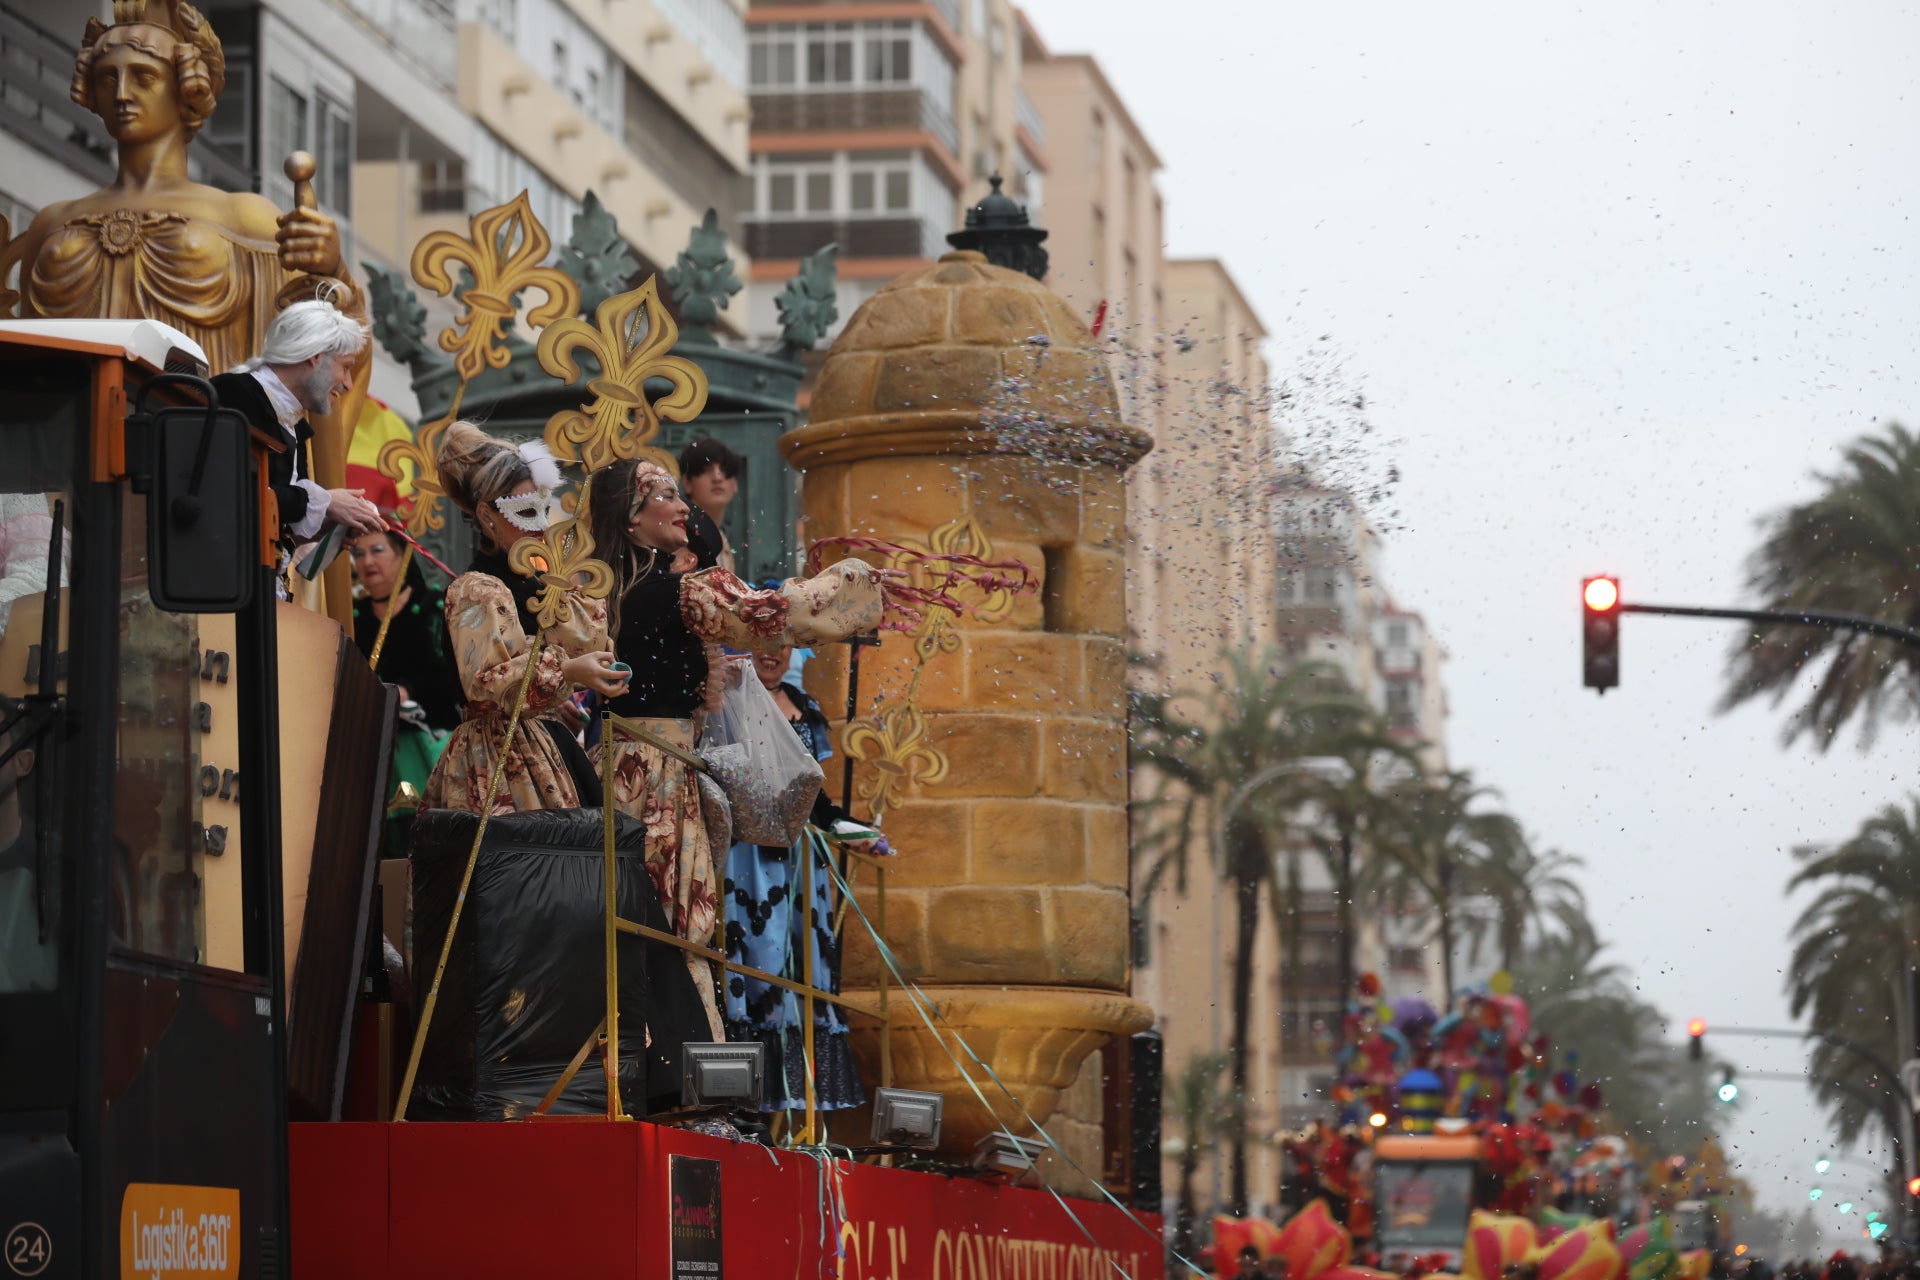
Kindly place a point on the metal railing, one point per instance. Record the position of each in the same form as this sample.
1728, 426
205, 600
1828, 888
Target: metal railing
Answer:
1027, 116
717, 30
799, 109
607, 1035
857, 237
423, 31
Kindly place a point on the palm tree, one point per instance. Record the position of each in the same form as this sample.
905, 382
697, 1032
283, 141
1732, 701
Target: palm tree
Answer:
1356, 801
1260, 717
1854, 548
1445, 846
1530, 889
1204, 1112
1855, 950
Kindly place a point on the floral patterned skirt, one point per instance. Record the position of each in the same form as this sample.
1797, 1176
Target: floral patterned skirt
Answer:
662, 793
535, 777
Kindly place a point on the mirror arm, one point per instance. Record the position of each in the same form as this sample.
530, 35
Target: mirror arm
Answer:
185, 509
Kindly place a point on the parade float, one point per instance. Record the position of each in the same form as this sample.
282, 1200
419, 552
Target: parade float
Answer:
211, 1070
1460, 1148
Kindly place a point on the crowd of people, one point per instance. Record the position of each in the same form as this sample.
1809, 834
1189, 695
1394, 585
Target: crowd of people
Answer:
655, 653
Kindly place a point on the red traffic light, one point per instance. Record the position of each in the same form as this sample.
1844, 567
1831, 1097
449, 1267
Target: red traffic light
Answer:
1697, 1027
1600, 594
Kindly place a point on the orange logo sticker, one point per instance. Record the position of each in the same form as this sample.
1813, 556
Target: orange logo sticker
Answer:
179, 1233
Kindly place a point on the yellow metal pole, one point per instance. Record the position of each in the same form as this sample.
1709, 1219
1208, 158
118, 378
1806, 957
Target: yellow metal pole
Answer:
466, 878
805, 899
612, 1059
386, 620
886, 1023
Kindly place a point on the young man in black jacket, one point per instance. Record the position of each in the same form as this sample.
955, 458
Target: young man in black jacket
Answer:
305, 365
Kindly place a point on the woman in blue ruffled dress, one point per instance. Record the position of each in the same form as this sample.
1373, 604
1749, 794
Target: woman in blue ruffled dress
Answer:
764, 931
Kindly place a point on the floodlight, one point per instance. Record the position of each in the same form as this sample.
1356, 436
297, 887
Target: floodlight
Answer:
731, 1075
906, 1118
1005, 1153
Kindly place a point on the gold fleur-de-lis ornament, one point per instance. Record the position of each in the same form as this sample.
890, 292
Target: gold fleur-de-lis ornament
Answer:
503, 249
631, 339
897, 746
563, 561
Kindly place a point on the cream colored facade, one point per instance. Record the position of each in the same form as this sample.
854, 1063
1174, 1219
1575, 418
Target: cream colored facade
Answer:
1103, 214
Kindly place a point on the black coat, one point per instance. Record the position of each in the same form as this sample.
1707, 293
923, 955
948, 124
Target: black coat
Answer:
243, 392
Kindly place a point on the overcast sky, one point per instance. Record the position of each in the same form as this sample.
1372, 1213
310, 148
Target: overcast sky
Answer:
1617, 277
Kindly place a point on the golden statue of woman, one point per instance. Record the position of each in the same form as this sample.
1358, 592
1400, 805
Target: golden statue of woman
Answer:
216, 265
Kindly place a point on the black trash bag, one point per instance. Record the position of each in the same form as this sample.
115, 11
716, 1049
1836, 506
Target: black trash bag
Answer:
526, 981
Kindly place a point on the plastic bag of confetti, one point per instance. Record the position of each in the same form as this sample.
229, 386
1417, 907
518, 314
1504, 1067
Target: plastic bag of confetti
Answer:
770, 778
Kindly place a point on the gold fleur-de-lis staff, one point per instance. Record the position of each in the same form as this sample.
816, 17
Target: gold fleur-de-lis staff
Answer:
563, 562
632, 339
503, 249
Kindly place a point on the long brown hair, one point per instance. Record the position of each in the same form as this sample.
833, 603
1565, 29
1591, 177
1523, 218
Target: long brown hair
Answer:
610, 503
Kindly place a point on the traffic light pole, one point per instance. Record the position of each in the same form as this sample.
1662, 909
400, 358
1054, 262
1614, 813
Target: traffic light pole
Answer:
1826, 618
1905, 1136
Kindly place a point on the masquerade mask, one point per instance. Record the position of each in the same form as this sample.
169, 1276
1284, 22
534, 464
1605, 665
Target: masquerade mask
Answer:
530, 512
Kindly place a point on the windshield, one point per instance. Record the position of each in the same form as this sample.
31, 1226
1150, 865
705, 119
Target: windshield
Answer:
1423, 1203
41, 419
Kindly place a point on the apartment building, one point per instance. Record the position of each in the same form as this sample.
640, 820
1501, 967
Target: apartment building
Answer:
421, 112
1104, 217
875, 124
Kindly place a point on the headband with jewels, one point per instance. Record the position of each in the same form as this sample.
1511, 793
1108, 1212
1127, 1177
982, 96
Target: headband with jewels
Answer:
186, 23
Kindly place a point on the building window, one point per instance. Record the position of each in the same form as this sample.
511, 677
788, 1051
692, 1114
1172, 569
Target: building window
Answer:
333, 149
1097, 145
820, 192
1396, 635
889, 61
780, 187
231, 126
846, 185
821, 57
443, 187
286, 118
830, 57
1402, 713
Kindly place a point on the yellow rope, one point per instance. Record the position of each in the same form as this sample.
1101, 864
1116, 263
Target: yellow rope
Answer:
466, 877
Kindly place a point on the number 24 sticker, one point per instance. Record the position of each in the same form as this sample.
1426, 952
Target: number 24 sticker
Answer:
28, 1249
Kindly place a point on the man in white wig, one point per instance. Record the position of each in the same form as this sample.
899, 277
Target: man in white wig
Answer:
304, 367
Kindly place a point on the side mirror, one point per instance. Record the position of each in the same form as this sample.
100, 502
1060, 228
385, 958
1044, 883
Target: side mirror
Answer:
203, 540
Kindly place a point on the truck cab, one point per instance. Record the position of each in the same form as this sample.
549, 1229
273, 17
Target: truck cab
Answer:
143, 1087
1424, 1189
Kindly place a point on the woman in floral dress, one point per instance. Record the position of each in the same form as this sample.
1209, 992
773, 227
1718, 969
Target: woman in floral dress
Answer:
667, 626
508, 493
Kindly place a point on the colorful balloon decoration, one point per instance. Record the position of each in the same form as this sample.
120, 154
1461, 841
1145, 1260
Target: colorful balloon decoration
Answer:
1312, 1242
1648, 1253
1584, 1253
1493, 1242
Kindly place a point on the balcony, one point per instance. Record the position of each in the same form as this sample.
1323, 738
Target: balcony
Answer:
422, 31
36, 79
717, 30
857, 238
845, 111
1027, 116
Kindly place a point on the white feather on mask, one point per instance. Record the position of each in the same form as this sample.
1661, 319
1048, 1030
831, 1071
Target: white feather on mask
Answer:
541, 462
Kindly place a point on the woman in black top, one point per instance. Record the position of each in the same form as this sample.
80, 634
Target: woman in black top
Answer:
667, 626
416, 658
